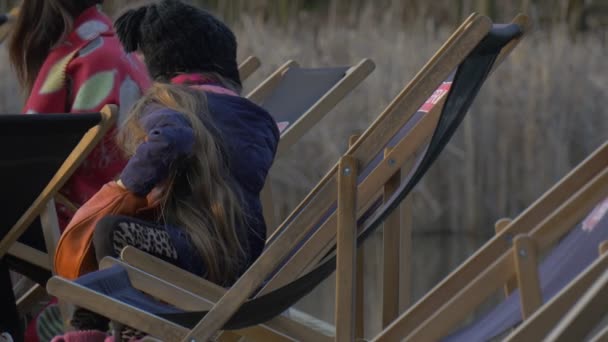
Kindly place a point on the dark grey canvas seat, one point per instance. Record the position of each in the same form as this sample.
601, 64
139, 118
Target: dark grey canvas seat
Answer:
299, 90
33, 151
465, 82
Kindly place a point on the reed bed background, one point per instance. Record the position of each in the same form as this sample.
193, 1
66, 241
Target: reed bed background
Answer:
537, 116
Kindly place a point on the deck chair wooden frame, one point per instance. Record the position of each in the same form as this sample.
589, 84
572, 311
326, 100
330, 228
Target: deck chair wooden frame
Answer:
247, 67
539, 324
434, 73
555, 213
44, 206
352, 78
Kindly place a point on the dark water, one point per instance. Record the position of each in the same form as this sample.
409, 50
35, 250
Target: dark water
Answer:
433, 257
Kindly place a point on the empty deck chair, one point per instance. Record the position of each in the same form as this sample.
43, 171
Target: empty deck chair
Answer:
38, 155
539, 324
298, 98
465, 61
569, 258
551, 218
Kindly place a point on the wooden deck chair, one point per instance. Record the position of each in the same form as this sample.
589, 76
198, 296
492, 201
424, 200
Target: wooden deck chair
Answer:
550, 219
540, 324
39, 154
298, 98
464, 61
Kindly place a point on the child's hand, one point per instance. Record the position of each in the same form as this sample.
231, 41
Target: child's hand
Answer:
170, 137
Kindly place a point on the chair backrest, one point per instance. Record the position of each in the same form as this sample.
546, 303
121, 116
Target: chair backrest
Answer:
39, 152
298, 98
298, 90
294, 231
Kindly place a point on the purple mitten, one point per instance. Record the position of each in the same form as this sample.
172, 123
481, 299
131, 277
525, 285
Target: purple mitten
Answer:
170, 137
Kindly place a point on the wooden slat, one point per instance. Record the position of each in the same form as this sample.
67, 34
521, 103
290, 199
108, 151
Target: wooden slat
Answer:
265, 88
584, 315
543, 320
499, 226
360, 275
168, 272
73, 161
279, 327
346, 250
61, 199
31, 255
391, 242
413, 96
491, 251
603, 247
50, 229
108, 307
248, 67
526, 268
405, 274
268, 206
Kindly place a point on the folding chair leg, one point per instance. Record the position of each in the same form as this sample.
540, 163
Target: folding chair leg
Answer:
499, 226
268, 207
390, 260
360, 296
346, 249
603, 247
360, 286
405, 255
51, 232
526, 267
50, 228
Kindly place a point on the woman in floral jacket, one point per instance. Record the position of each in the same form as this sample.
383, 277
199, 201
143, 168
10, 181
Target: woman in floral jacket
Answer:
68, 59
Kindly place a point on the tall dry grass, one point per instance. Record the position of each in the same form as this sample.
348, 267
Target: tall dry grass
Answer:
540, 113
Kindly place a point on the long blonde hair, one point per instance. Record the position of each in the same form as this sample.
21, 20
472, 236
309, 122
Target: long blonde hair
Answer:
198, 195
